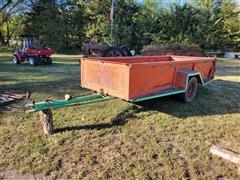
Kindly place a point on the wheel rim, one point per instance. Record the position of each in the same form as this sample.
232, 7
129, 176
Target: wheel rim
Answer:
15, 60
31, 61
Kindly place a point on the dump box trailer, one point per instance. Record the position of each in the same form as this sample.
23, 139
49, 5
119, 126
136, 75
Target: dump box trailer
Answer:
137, 79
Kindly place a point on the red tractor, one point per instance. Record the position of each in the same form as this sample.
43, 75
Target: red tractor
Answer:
31, 51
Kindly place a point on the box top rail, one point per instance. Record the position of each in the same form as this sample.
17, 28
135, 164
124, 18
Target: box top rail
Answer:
148, 59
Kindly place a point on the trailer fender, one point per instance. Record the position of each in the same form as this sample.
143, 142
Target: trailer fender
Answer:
182, 78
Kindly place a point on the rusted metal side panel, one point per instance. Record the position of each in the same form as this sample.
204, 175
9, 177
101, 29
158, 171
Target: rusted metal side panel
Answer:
205, 66
149, 78
180, 80
184, 66
111, 79
206, 69
132, 77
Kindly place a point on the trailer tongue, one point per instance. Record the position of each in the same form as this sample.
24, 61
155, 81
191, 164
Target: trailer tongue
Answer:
84, 99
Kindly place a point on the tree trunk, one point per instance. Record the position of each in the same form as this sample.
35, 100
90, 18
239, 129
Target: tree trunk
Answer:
46, 121
2, 41
8, 34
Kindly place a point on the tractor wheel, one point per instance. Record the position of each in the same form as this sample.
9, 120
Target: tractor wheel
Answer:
16, 60
113, 52
48, 60
32, 61
126, 51
190, 93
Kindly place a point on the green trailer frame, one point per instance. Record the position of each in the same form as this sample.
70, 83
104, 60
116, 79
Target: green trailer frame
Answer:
44, 108
92, 97
86, 98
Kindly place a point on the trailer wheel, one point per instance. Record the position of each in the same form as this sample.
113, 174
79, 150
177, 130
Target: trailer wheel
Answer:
190, 93
113, 52
16, 60
32, 61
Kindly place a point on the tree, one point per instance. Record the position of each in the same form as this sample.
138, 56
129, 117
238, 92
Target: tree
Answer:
204, 23
97, 22
230, 15
66, 24
58, 23
4, 4
127, 28
9, 9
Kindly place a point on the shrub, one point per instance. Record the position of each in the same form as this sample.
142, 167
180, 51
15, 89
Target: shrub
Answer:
172, 47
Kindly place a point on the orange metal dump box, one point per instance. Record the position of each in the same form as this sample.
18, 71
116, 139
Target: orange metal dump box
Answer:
141, 78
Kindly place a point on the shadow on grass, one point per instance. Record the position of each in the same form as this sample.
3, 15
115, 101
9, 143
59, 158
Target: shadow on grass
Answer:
28, 69
60, 60
44, 79
219, 98
11, 107
209, 101
48, 87
121, 119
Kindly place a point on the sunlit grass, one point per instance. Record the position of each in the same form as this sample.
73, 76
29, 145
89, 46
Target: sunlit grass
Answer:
158, 139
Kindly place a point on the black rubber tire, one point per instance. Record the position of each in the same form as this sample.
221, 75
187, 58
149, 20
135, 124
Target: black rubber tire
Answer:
16, 60
32, 61
191, 91
113, 52
126, 51
48, 60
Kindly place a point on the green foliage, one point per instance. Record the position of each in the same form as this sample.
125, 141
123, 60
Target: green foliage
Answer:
55, 23
66, 24
97, 23
127, 27
10, 19
207, 26
172, 47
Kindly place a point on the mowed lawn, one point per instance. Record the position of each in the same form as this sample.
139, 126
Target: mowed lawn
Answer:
157, 139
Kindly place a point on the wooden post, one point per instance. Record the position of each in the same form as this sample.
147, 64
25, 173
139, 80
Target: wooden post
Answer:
46, 121
226, 154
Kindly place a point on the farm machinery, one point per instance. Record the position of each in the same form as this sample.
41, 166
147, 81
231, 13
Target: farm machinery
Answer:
30, 50
96, 49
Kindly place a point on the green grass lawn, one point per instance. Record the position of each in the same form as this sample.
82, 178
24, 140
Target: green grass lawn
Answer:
157, 139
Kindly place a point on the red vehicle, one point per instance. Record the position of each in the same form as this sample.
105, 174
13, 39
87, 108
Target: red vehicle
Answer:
31, 51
